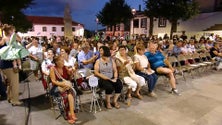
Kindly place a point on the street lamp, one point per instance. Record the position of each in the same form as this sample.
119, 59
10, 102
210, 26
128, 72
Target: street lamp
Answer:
97, 21
133, 11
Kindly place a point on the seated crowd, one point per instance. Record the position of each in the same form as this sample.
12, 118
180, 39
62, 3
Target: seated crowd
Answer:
133, 64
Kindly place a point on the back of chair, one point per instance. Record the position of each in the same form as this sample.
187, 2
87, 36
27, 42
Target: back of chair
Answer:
172, 59
196, 57
203, 57
181, 58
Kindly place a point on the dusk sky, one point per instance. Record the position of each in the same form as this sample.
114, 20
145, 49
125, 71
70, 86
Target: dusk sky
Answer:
83, 11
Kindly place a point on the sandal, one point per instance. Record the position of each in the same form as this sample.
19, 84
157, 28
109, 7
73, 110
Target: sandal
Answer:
108, 106
139, 97
128, 101
73, 117
71, 121
116, 105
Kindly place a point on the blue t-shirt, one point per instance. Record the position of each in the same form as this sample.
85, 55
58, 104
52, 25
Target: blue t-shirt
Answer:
85, 56
156, 60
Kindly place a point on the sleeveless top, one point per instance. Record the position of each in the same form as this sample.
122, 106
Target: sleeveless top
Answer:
64, 75
106, 68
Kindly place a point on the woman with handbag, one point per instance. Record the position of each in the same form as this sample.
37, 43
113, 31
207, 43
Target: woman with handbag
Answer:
59, 76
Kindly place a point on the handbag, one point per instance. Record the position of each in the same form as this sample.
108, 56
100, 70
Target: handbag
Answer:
62, 79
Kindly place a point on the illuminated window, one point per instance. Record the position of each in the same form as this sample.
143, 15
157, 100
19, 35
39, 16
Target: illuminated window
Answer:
143, 23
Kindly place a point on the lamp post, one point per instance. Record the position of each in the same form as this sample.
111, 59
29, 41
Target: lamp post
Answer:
97, 21
133, 11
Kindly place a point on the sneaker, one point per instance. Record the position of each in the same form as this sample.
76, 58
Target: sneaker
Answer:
152, 94
175, 91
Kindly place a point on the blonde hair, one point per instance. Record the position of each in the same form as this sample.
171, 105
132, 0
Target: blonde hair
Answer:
6, 28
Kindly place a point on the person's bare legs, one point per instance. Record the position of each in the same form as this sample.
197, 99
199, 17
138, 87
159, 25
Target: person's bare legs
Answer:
108, 105
129, 92
116, 96
168, 72
71, 107
138, 92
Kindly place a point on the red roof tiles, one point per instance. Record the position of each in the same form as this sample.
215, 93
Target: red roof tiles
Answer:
48, 20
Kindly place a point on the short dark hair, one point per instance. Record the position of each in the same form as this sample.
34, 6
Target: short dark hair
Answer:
122, 46
106, 51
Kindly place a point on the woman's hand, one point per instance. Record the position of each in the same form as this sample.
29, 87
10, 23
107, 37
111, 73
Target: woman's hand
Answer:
113, 80
126, 62
67, 86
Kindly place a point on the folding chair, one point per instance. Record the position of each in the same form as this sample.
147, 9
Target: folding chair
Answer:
175, 63
198, 61
184, 64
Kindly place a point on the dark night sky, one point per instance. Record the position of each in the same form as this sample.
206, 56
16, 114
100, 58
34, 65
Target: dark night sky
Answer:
83, 11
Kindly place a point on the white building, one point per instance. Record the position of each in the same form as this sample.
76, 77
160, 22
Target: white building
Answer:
48, 26
208, 21
202, 24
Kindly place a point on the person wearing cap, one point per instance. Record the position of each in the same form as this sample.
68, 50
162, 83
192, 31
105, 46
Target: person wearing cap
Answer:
177, 48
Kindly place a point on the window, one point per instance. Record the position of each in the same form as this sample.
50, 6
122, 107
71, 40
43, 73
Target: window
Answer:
136, 23
73, 29
62, 29
44, 29
143, 23
53, 29
162, 22
32, 29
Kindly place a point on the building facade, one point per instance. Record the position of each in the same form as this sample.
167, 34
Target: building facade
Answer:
204, 23
120, 30
51, 26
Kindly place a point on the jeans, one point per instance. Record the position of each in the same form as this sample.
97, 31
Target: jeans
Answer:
151, 79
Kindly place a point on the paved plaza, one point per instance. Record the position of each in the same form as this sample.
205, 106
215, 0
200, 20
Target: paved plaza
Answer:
199, 104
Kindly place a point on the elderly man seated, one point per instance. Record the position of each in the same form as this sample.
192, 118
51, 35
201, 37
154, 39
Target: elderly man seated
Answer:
86, 57
160, 64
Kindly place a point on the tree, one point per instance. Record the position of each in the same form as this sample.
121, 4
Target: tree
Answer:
151, 12
114, 12
11, 12
173, 10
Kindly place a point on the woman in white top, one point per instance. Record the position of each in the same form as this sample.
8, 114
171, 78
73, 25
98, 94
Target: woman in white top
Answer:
69, 61
143, 69
36, 55
127, 74
46, 65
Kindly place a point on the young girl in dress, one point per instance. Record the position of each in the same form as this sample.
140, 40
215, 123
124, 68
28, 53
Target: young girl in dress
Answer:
12, 49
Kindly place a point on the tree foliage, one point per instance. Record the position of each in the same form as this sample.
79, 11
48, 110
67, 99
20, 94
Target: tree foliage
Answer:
114, 12
172, 10
11, 12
